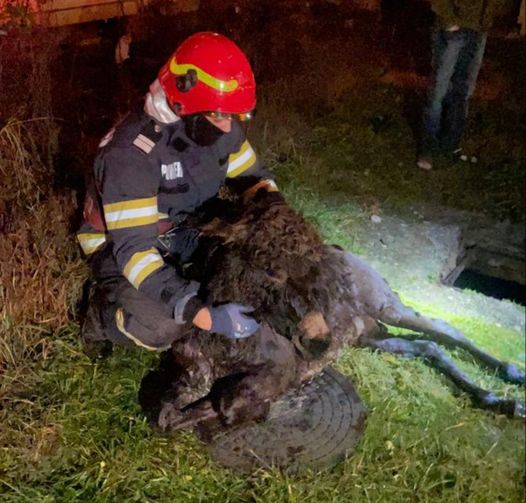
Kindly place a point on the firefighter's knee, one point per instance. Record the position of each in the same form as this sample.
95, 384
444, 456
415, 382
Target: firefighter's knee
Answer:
156, 336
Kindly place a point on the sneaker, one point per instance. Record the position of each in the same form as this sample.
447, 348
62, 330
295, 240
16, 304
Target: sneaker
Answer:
425, 163
459, 155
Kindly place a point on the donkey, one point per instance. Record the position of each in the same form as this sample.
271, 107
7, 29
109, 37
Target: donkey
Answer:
311, 300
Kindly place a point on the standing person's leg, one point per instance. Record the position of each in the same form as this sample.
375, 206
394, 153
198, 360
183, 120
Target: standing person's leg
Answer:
446, 47
463, 84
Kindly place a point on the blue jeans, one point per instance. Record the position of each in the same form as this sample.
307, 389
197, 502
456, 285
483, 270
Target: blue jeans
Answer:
457, 56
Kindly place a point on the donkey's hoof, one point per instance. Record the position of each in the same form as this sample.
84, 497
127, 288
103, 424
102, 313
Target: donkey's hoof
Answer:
169, 418
513, 374
520, 410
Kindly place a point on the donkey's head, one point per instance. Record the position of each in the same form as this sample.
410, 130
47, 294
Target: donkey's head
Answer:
270, 257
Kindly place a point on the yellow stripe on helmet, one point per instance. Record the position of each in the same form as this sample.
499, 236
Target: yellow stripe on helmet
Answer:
206, 78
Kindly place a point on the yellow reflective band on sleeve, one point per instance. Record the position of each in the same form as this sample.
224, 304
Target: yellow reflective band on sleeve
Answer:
133, 213
226, 86
119, 321
241, 160
91, 242
141, 265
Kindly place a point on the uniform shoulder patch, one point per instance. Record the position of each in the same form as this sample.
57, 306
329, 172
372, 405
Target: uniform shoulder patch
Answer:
149, 135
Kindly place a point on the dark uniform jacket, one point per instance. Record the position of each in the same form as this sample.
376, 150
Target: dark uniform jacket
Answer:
147, 177
479, 15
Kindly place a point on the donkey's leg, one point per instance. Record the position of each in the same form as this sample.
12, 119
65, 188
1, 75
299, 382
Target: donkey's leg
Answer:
270, 371
252, 374
443, 333
376, 298
171, 418
247, 400
430, 351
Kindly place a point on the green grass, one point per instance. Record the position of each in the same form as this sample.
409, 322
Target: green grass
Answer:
72, 431
362, 145
75, 432
77, 435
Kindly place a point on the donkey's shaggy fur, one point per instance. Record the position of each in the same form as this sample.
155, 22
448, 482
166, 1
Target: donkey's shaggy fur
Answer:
311, 299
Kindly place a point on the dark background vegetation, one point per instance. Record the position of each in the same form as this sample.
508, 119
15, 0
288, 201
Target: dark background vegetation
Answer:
353, 78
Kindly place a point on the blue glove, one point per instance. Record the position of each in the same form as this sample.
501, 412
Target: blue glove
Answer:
230, 320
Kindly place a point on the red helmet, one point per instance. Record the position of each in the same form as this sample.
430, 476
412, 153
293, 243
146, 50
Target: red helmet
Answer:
208, 73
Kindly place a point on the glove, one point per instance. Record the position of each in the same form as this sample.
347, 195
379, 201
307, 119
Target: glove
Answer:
228, 320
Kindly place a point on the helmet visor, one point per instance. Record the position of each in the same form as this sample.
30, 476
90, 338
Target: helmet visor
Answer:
218, 116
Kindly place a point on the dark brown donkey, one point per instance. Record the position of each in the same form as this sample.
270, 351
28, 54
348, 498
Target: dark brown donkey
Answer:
311, 300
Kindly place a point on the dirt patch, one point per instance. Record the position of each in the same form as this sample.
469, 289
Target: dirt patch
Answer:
417, 250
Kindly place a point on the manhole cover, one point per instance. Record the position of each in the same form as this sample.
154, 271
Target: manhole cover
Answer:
313, 427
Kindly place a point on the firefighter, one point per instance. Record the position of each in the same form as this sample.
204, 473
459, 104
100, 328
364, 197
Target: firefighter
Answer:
153, 169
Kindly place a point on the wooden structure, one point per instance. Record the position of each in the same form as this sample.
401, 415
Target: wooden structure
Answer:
67, 12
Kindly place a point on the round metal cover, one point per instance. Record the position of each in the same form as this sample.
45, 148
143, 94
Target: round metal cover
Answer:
313, 427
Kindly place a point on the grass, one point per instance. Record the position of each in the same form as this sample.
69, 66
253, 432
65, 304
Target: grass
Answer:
364, 150
74, 432
82, 438
340, 148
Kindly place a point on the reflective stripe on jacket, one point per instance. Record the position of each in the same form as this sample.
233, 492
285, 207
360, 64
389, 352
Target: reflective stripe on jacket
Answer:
148, 176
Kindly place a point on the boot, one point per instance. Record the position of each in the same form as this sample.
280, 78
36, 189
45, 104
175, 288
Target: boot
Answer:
96, 345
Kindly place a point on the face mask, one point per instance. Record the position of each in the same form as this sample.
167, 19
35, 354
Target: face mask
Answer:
199, 129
